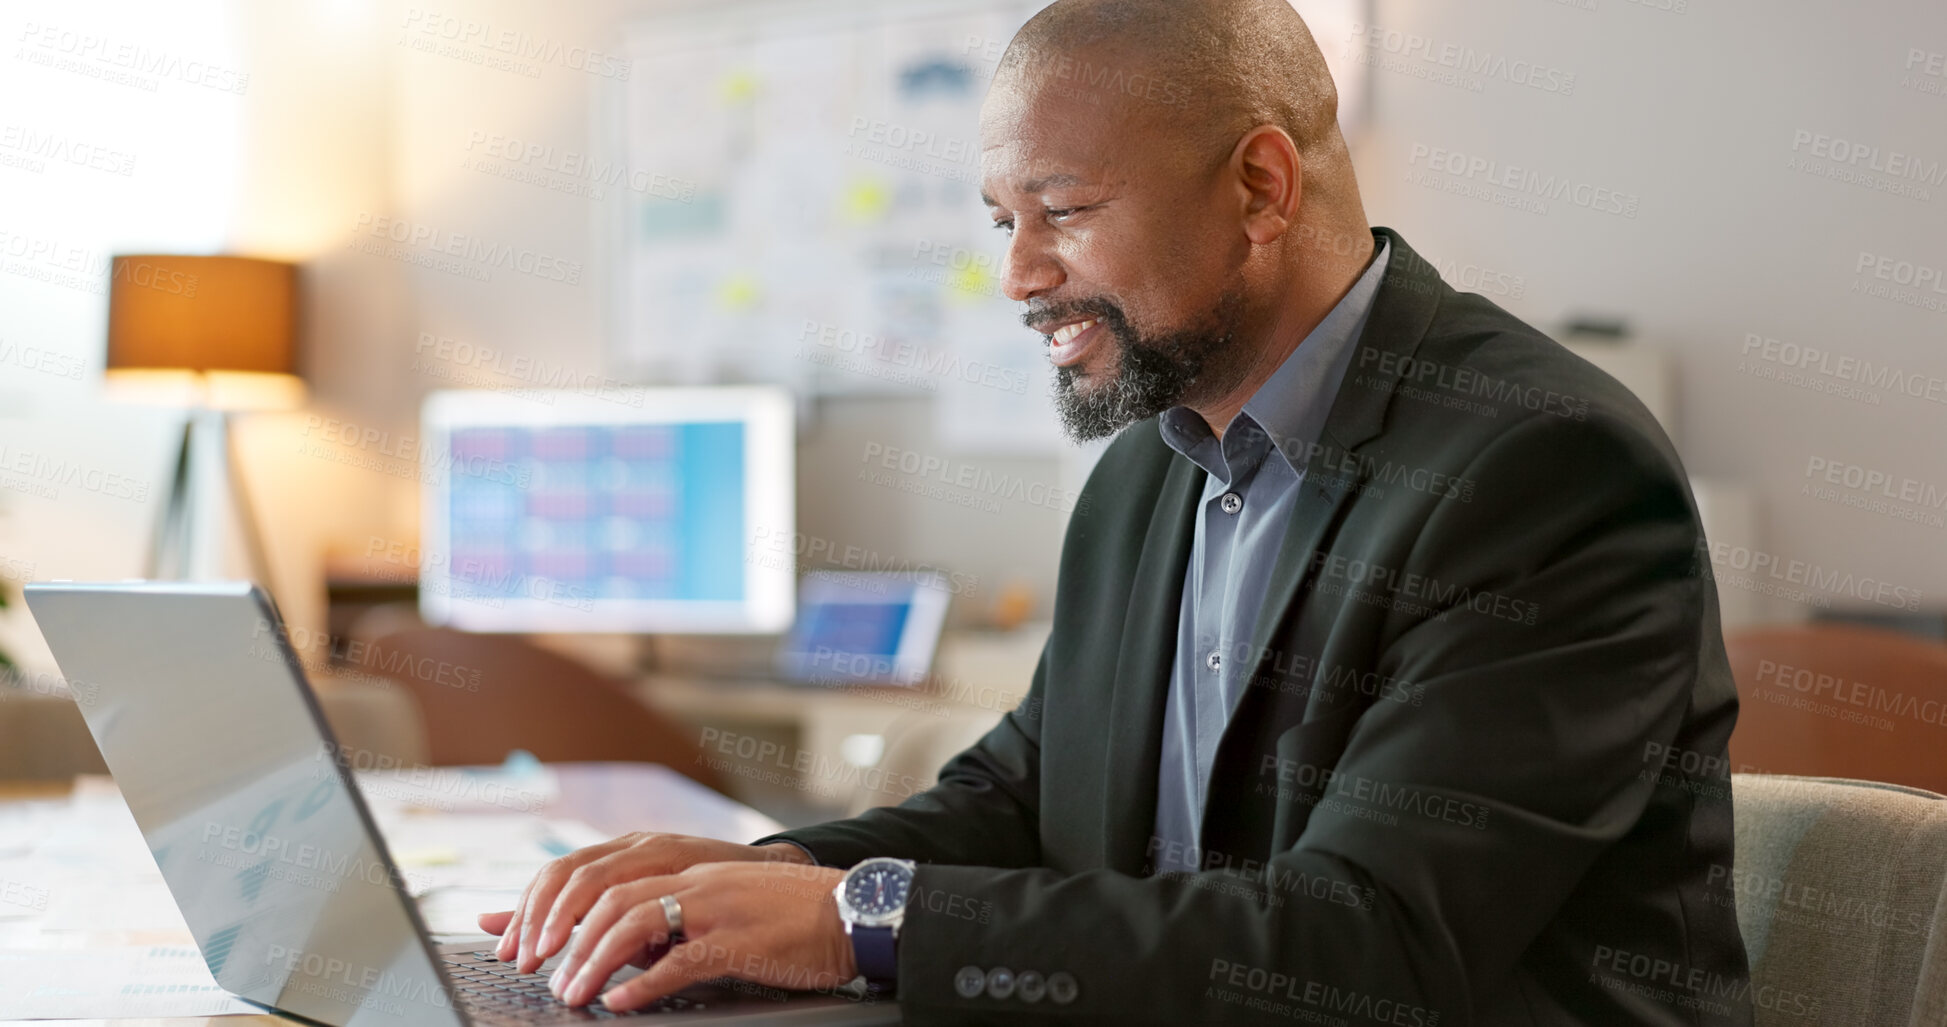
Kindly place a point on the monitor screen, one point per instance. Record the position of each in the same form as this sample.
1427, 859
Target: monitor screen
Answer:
858, 628
630, 511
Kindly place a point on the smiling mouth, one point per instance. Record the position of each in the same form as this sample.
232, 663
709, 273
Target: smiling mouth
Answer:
1066, 333
1069, 343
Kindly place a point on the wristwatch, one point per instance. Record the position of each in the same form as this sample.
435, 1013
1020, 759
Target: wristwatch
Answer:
872, 903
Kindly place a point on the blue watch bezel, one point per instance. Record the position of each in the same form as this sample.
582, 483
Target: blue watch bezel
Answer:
874, 936
853, 915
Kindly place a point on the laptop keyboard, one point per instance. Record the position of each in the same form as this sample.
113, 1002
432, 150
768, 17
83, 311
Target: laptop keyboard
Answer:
494, 992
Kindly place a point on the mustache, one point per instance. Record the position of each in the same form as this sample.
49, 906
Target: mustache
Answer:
1043, 315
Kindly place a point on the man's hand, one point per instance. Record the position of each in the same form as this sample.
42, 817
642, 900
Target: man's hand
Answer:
566, 889
774, 923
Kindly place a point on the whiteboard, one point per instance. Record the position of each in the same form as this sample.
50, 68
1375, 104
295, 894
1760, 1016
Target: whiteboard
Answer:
814, 218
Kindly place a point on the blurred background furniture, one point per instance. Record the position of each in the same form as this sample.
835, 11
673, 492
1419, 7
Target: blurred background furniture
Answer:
483, 696
836, 748
400, 694
43, 738
917, 745
1922, 623
800, 753
1840, 700
375, 718
1840, 889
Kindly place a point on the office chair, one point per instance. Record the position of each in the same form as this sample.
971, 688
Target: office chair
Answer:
1841, 890
483, 696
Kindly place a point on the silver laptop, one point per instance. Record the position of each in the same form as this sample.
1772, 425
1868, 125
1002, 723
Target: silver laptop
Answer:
203, 715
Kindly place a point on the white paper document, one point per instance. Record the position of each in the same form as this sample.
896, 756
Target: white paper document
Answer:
106, 983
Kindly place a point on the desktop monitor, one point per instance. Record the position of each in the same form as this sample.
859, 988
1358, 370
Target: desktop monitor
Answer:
620, 511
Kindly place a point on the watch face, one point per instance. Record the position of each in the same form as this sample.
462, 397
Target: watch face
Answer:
878, 888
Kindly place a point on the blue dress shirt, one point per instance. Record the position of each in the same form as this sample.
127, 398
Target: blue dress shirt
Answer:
1247, 503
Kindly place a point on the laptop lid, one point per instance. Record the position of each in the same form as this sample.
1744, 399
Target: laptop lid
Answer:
246, 801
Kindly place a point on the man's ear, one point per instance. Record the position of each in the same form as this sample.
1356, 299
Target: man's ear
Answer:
1272, 175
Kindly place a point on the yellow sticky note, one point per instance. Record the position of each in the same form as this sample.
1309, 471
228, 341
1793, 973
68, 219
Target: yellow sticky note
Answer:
738, 87
431, 856
864, 200
739, 292
971, 283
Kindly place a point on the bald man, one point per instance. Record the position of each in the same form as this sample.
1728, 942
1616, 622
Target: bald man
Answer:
1385, 684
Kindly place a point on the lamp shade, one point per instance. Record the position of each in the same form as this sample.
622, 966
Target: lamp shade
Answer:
202, 314
203, 331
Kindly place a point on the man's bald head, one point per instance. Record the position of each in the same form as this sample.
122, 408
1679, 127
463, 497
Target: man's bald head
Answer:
1164, 171
1212, 69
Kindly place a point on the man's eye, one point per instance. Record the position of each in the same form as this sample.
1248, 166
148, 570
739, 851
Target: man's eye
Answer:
1061, 213
1005, 226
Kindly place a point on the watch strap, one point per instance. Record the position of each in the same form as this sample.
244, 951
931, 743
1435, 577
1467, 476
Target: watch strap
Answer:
876, 951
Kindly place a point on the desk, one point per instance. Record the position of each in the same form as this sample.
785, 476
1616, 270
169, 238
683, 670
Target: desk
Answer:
977, 678
612, 797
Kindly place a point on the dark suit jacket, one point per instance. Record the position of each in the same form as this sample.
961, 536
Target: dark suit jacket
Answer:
1478, 776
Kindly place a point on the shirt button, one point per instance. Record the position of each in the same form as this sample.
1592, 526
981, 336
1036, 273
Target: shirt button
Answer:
1062, 987
1215, 661
1030, 986
969, 982
1000, 982
1232, 502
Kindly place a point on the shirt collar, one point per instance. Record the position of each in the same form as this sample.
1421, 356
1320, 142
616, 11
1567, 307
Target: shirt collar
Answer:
1291, 406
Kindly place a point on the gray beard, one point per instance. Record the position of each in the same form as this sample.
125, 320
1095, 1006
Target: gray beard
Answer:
1151, 375
1145, 384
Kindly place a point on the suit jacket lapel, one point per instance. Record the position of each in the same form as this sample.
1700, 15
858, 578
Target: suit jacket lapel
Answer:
1142, 669
1408, 294
1404, 307
1401, 312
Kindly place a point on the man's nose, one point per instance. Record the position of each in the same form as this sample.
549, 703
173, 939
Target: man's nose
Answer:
1028, 270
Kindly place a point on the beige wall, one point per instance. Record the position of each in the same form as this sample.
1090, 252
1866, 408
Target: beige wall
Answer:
1693, 106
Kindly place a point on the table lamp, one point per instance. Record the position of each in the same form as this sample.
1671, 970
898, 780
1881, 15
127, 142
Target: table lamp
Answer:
214, 336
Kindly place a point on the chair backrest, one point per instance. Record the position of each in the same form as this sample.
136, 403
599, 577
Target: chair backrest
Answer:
373, 716
1840, 889
1840, 700
483, 696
